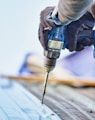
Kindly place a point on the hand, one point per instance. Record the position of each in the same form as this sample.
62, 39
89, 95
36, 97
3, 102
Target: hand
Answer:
45, 26
85, 25
82, 26
86, 38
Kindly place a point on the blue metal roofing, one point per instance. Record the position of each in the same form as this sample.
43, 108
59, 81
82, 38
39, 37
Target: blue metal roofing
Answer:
17, 103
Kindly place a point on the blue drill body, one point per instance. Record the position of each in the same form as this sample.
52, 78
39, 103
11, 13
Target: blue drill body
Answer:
55, 44
57, 34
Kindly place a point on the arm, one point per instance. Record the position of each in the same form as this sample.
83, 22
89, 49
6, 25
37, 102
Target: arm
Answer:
71, 10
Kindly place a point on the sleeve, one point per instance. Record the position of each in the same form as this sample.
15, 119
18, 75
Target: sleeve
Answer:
71, 10
92, 9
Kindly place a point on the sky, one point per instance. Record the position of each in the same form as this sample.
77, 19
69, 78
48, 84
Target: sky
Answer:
19, 22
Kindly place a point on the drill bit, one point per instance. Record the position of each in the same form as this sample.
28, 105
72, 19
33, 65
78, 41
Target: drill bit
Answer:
45, 85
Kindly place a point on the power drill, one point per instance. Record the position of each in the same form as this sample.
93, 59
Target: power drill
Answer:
55, 44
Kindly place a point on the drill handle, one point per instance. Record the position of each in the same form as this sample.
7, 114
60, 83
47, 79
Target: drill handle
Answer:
56, 34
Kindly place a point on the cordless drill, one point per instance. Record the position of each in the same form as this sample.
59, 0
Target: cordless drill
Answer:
55, 44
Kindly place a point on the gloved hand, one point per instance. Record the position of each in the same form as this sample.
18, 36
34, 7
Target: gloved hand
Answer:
45, 26
82, 26
85, 24
84, 41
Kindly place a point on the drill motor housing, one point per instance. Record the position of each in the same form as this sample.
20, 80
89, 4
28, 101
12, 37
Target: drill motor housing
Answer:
55, 44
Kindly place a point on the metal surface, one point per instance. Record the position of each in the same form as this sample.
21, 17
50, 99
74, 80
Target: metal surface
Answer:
67, 102
17, 103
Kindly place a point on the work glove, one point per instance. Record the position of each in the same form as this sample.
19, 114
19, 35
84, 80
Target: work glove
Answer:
84, 25
83, 28
45, 26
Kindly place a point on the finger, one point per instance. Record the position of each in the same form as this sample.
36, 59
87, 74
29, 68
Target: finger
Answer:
42, 21
41, 36
72, 41
46, 23
79, 47
43, 16
92, 42
71, 33
46, 38
50, 24
86, 41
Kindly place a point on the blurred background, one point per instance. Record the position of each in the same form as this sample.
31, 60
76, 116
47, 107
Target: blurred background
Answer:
19, 21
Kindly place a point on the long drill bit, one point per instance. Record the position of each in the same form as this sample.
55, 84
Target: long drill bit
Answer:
45, 85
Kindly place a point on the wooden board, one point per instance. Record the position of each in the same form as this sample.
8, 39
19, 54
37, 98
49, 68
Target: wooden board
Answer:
68, 102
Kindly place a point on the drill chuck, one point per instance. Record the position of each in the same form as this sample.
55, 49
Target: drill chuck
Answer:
50, 64
51, 58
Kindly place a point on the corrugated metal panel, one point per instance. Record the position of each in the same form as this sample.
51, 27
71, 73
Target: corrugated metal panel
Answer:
68, 102
16, 103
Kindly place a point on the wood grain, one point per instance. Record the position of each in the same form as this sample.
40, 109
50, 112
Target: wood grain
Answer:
77, 81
